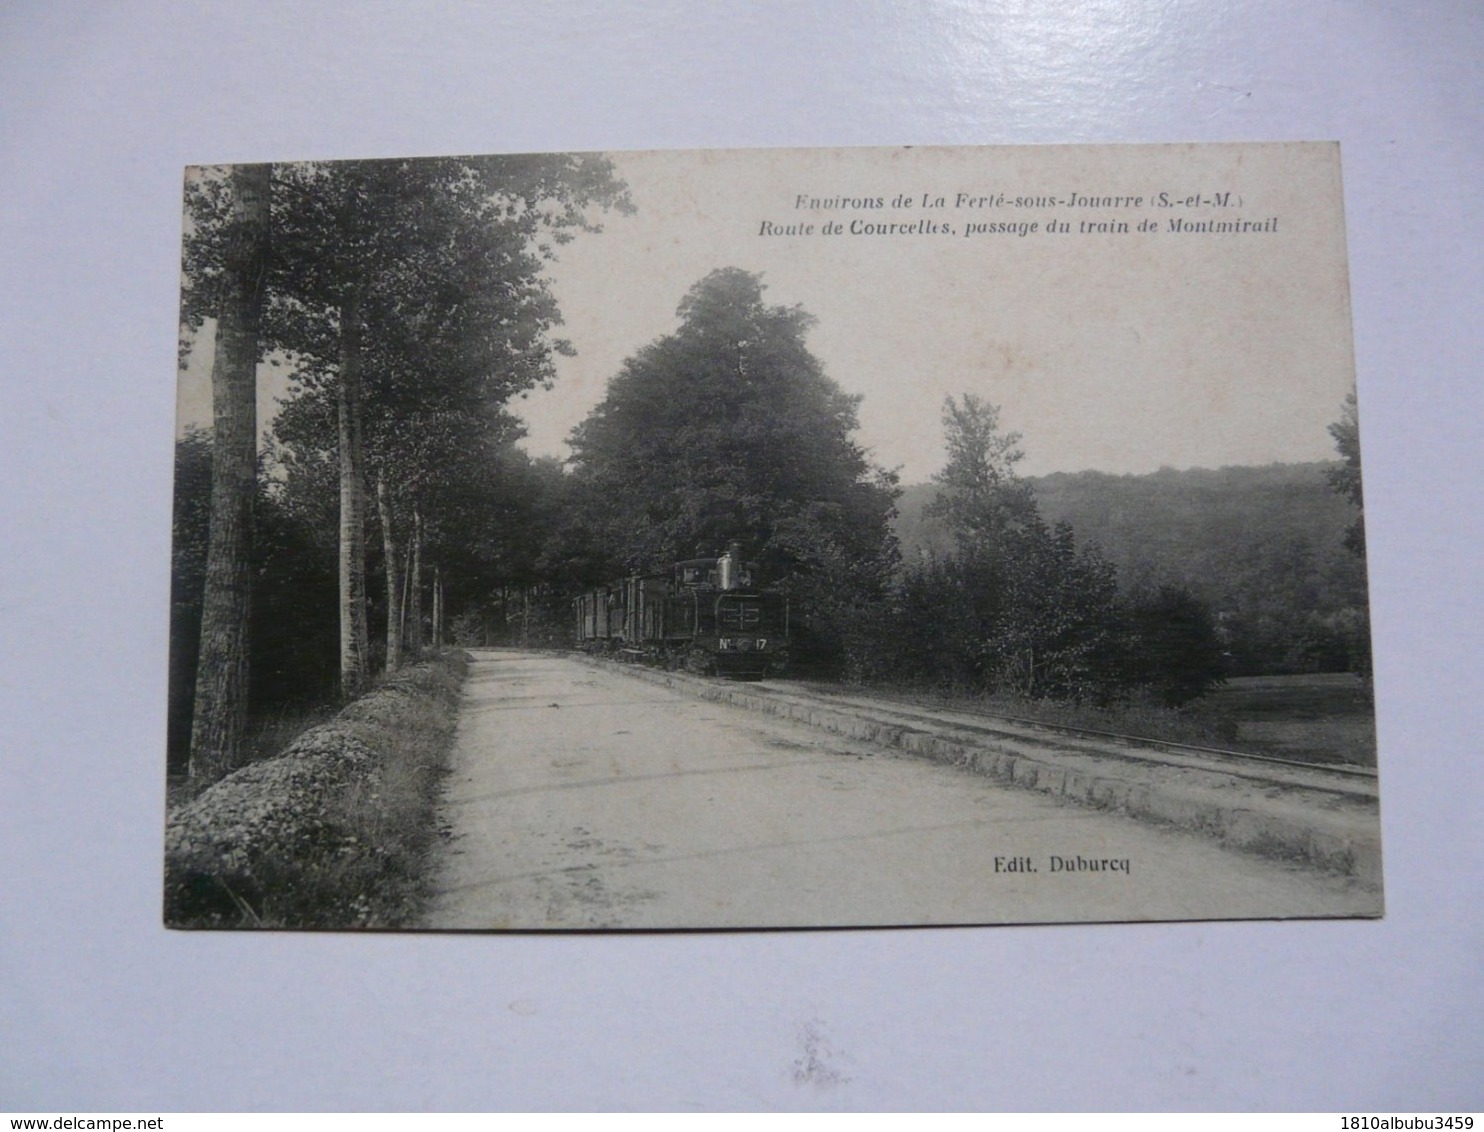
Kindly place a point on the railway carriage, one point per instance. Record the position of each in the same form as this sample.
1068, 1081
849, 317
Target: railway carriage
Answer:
703, 614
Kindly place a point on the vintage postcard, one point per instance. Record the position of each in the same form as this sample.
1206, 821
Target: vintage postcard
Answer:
769, 539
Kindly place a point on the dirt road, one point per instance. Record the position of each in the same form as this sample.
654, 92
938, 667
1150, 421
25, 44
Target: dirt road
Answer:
582, 798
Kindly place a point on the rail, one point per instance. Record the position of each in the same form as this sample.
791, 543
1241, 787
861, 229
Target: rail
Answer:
1234, 759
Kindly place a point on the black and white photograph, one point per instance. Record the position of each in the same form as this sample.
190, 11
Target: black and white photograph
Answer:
733, 539
642, 556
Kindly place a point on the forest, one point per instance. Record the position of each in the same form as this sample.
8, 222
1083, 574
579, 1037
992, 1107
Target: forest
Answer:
1264, 547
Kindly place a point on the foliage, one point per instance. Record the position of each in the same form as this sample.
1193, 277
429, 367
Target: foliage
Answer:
294, 624
332, 833
1172, 648
1344, 477
1031, 614
235, 294
438, 250
980, 497
730, 430
1262, 546
409, 300
438, 264
190, 524
1054, 638
292, 632
1015, 605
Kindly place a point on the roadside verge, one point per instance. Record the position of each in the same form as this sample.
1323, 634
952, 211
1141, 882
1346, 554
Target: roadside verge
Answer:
333, 832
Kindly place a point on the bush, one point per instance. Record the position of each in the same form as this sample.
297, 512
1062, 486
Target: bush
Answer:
335, 831
1173, 650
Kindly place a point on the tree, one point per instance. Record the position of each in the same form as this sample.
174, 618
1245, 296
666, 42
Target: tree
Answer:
726, 430
291, 632
1345, 479
231, 284
1035, 614
190, 531
980, 496
295, 625
1345, 476
1173, 650
1059, 615
410, 291
729, 430
438, 474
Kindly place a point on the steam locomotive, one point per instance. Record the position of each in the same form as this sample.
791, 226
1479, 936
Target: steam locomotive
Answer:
703, 614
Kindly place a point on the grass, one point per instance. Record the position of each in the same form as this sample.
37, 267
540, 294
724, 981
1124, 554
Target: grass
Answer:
1326, 718
379, 873
1323, 718
336, 835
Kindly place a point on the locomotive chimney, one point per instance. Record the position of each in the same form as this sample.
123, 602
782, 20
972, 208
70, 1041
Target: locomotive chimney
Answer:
729, 567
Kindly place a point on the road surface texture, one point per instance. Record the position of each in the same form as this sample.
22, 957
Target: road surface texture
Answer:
581, 798
1325, 817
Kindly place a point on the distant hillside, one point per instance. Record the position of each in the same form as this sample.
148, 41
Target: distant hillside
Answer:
1260, 545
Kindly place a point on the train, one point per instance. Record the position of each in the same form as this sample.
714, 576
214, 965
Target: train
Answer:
703, 615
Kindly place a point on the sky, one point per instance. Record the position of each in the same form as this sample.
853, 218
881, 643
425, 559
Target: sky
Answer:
1119, 345
1117, 351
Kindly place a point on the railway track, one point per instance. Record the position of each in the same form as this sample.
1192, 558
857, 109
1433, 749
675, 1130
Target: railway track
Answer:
1335, 778
1318, 815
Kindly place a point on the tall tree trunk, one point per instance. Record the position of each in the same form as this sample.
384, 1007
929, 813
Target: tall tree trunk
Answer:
222, 670
406, 594
393, 577
354, 641
415, 613
437, 607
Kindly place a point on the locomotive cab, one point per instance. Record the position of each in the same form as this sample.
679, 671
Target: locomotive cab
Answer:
697, 574
737, 630
724, 572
